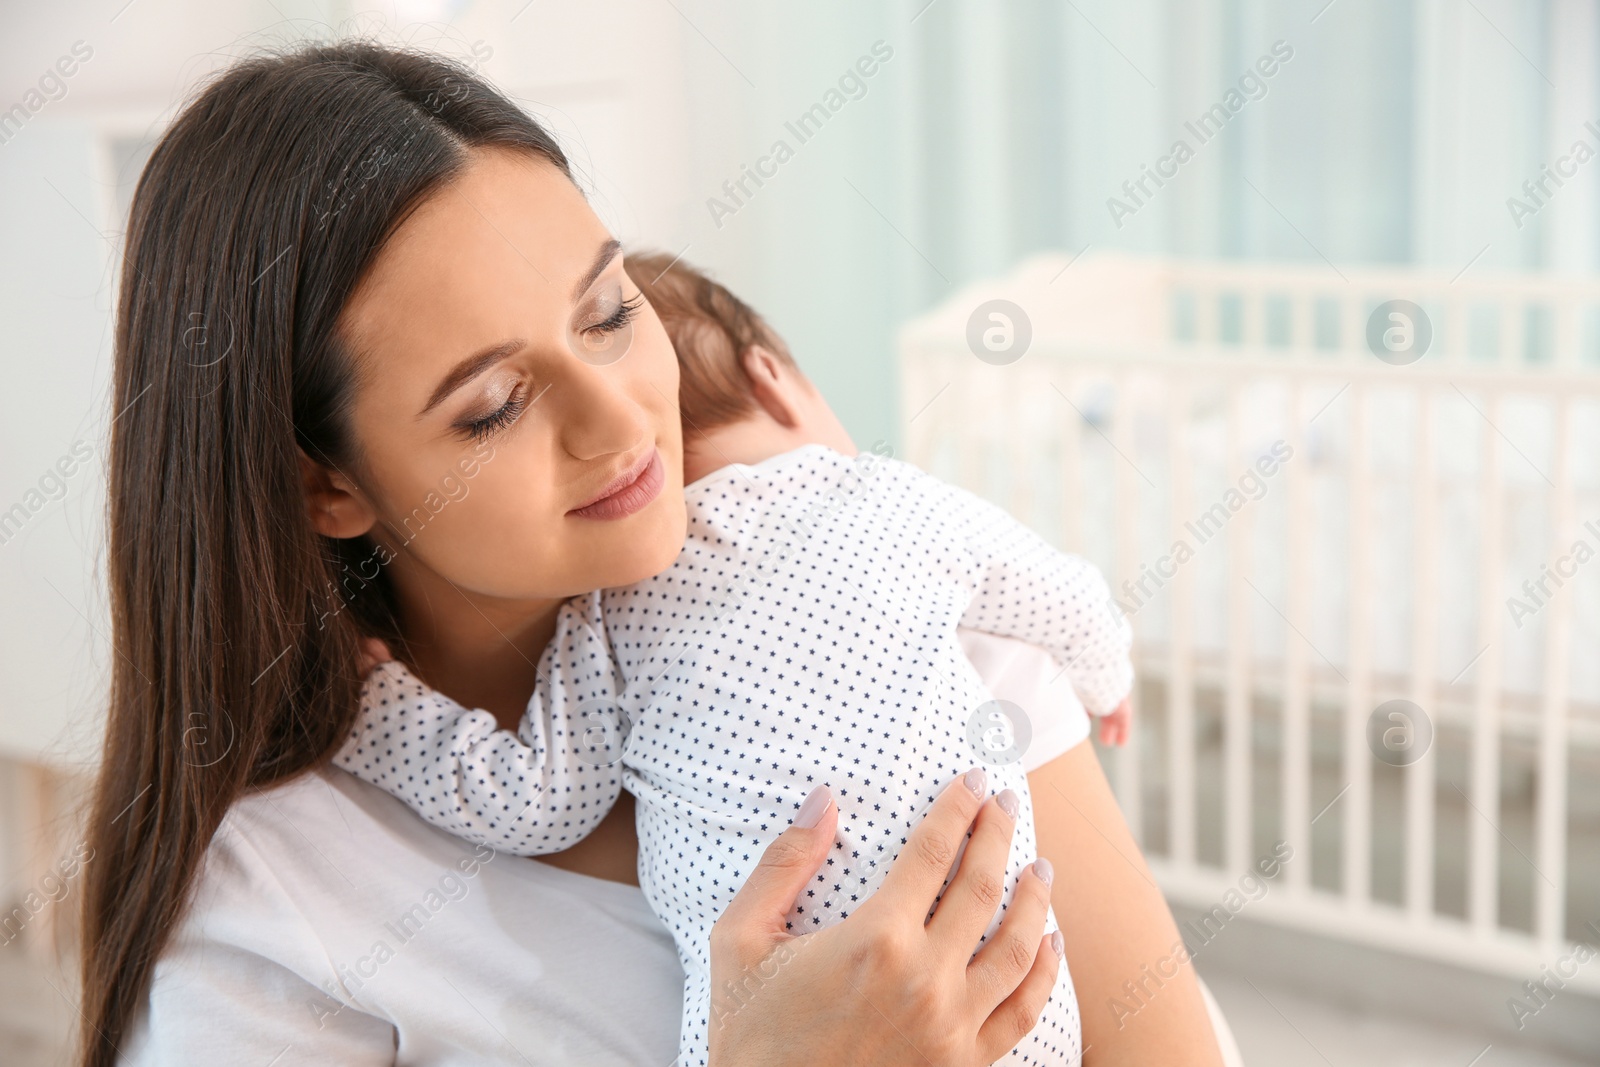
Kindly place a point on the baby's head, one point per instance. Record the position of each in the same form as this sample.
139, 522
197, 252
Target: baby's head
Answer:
742, 397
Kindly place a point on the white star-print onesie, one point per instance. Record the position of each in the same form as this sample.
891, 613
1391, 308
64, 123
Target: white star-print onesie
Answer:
806, 635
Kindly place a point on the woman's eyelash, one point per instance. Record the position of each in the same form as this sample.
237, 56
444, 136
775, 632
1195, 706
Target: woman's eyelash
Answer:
620, 317
482, 428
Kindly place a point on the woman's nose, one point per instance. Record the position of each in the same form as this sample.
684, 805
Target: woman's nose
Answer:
596, 411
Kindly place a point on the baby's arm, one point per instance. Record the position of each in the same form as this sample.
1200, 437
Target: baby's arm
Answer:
1024, 588
529, 793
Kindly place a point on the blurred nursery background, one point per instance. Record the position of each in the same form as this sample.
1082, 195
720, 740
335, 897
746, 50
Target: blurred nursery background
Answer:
1287, 314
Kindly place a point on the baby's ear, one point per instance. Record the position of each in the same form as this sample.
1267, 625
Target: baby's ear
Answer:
778, 387
763, 364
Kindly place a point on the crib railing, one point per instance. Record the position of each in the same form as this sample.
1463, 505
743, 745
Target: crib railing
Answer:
1394, 514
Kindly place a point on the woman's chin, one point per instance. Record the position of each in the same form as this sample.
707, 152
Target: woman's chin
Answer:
644, 544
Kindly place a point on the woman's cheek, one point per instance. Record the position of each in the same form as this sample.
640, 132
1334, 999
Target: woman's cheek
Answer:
487, 512
489, 547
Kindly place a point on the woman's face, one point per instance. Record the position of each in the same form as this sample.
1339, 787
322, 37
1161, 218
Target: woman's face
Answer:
515, 408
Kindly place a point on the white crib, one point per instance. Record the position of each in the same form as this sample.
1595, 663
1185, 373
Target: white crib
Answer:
1377, 562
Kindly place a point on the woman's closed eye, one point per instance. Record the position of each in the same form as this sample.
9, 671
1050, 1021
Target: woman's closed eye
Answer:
619, 318
486, 425
482, 427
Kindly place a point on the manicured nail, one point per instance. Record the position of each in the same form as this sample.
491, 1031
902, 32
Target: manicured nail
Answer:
813, 808
1044, 870
1008, 802
976, 781
1059, 944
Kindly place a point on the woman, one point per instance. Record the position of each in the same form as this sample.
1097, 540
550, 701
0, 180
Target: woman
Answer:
368, 386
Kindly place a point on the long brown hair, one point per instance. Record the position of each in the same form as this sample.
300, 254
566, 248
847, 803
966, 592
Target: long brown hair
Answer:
234, 624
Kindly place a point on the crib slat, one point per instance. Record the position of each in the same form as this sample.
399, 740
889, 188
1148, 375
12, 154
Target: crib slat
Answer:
1356, 818
1483, 838
1296, 664
1420, 776
1237, 731
1180, 645
1549, 884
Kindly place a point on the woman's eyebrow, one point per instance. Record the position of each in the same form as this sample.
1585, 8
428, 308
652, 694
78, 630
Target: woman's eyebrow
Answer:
608, 251
469, 369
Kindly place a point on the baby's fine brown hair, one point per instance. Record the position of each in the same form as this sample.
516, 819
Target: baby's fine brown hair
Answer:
711, 329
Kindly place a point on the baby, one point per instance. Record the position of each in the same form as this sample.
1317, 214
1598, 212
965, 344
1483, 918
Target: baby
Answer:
806, 635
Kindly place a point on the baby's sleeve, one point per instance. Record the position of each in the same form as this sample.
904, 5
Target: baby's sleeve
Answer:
533, 792
1024, 588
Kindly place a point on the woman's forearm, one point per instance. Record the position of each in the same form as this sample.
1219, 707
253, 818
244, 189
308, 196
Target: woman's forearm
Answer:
1122, 944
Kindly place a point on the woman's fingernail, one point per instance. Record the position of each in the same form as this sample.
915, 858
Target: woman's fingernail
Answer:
976, 781
1044, 870
1008, 802
1059, 944
813, 807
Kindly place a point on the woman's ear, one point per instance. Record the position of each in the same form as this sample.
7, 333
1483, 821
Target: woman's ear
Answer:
776, 386
336, 506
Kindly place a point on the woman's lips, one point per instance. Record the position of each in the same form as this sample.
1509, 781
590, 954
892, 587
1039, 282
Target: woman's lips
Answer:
628, 494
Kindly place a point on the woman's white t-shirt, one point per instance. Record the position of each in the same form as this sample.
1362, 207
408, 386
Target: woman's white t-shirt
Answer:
331, 924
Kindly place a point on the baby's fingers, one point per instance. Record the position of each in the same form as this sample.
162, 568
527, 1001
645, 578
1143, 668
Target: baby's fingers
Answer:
373, 652
1114, 726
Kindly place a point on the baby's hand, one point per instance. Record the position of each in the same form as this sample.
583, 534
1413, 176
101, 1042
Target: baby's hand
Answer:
1114, 726
373, 652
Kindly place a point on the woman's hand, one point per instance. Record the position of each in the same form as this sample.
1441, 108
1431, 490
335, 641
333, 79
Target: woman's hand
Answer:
888, 986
